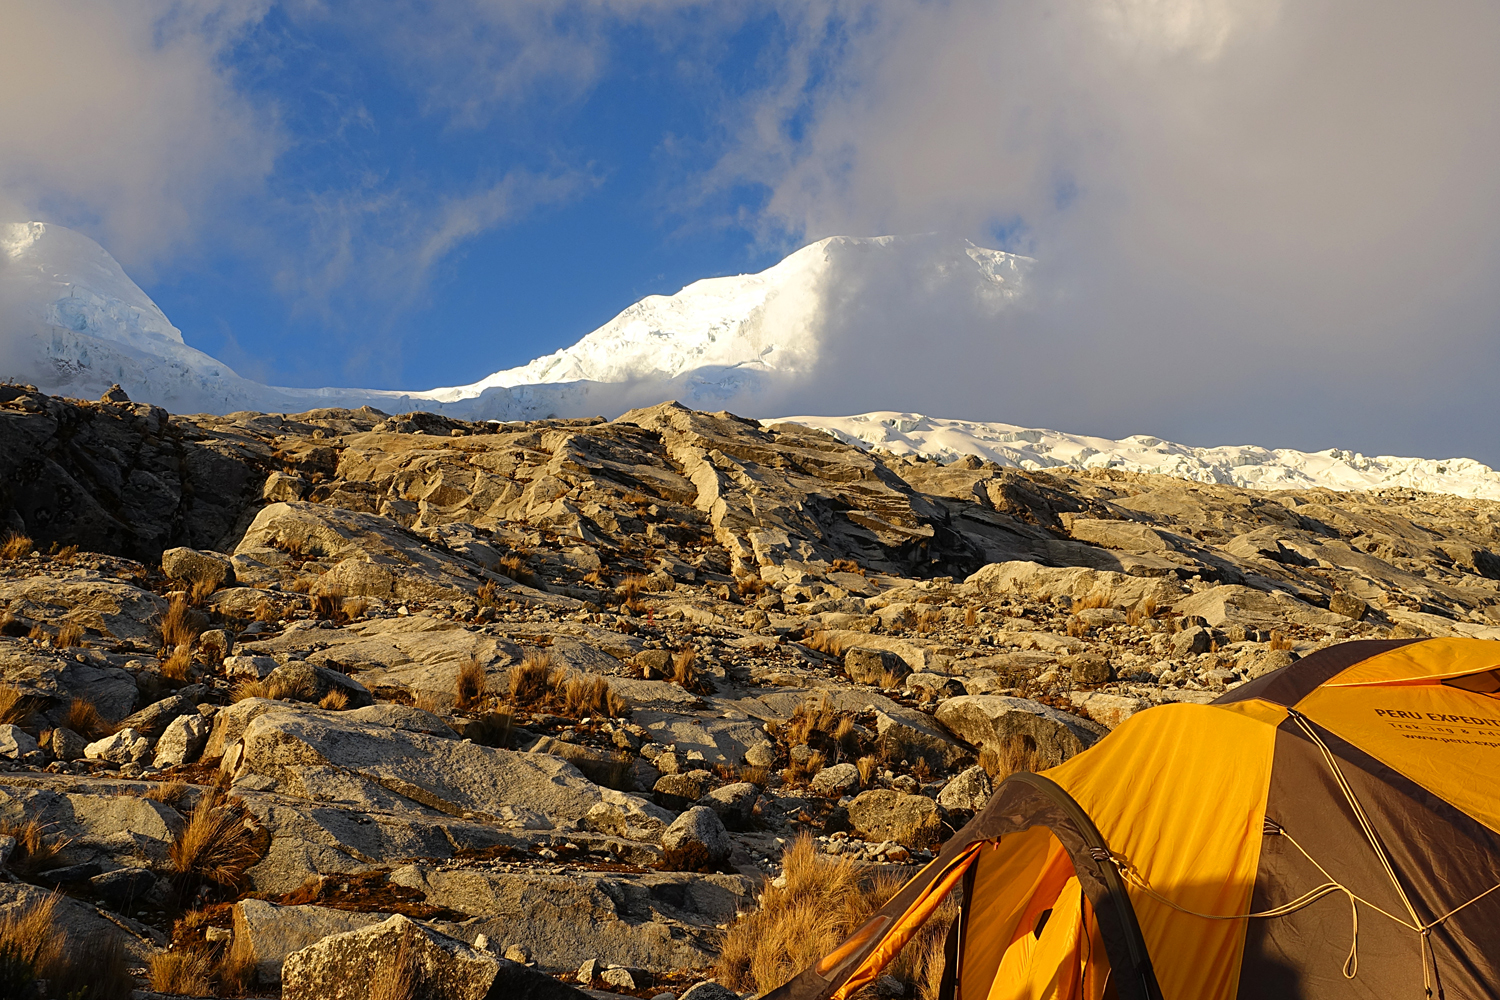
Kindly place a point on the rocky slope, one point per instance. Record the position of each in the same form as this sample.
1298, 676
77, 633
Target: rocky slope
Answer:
553, 696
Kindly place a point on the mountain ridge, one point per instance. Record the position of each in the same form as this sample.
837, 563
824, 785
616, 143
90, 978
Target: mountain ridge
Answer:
78, 324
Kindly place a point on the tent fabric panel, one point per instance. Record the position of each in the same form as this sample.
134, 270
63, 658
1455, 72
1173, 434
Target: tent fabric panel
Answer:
1021, 802
1057, 958
893, 937
1443, 738
1290, 685
1441, 856
1179, 792
1431, 659
1009, 876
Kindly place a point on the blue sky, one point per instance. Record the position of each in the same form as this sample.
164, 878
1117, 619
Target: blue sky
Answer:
1256, 221
609, 208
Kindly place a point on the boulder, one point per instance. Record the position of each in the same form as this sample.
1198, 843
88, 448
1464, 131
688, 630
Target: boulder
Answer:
995, 721
1109, 710
1046, 582
231, 721
1191, 641
696, 841
835, 781
152, 720
274, 932
303, 680
662, 921
881, 814
761, 755
968, 791
906, 734
708, 990
1262, 662
194, 566
734, 803
678, 791
253, 668
15, 742
108, 607
322, 756
372, 556
874, 666
182, 741
66, 744
125, 747
1232, 604
342, 966
1349, 606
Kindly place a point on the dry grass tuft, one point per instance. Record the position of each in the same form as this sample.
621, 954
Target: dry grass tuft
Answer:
328, 604
1076, 627
336, 700
186, 972
66, 554
179, 626
168, 793
249, 689
15, 705
470, 684
427, 702
686, 673
35, 850
201, 590
1144, 609
399, 976
16, 546
867, 767
929, 621
1017, 754
596, 578
632, 585
971, 617
179, 665
84, 719
799, 771
822, 902
35, 947
266, 610
70, 635
235, 969
1097, 599
745, 586
1280, 641
845, 566
488, 595
536, 682
214, 845
352, 608
757, 776
515, 566
589, 696
528, 679
39, 633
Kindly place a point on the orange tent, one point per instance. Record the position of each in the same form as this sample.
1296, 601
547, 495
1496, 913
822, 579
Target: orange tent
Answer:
1328, 830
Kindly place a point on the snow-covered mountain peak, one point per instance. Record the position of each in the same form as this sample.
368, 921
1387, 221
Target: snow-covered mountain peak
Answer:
769, 321
72, 322
74, 283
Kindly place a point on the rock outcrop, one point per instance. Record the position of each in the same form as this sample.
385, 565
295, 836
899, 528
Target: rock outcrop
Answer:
563, 690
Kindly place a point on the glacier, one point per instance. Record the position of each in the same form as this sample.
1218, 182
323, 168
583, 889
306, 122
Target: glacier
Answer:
73, 323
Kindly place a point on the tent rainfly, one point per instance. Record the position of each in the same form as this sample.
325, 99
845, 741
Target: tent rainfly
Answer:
1327, 831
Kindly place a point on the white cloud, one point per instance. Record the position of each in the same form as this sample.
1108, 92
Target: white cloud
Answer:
119, 118
1253, 218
